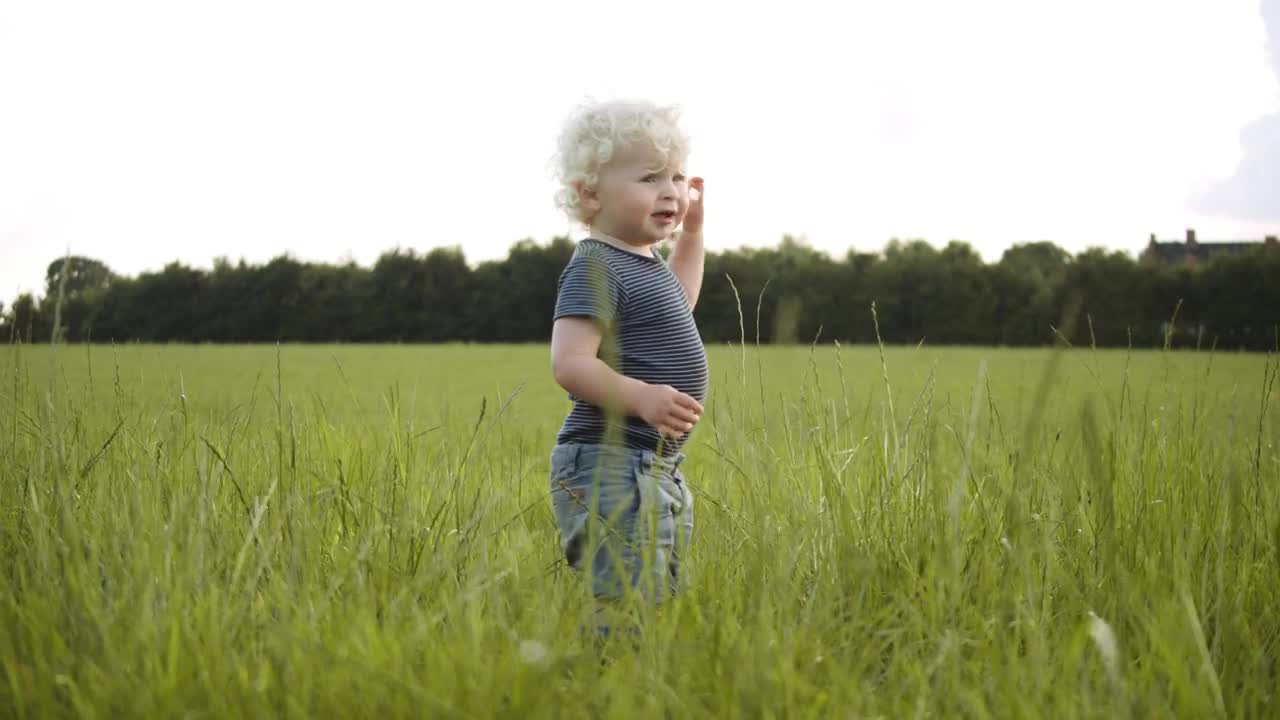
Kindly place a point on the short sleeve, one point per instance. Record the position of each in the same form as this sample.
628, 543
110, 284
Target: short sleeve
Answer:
589, 288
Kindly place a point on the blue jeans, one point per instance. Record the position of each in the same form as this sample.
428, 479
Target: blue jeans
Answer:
625, 515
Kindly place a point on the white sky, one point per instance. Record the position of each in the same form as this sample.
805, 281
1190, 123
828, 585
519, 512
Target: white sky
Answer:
141, 133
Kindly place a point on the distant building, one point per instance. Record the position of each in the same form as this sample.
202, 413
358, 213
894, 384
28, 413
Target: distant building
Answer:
1193, 252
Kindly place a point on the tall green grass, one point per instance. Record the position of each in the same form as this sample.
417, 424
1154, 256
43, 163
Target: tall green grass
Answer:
906, 532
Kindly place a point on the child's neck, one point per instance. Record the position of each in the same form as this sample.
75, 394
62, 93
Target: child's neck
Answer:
643, 249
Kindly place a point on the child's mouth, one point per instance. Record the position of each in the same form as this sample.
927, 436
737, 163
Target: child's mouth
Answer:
664, 216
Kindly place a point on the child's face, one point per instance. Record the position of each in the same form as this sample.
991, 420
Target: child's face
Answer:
640, 200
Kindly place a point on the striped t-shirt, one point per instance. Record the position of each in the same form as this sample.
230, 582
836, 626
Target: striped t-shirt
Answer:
649, 335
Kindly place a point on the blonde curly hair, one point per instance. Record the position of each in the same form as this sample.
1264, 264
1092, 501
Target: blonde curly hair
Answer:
596, 131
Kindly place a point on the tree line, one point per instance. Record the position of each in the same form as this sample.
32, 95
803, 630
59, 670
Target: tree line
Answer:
1036, 294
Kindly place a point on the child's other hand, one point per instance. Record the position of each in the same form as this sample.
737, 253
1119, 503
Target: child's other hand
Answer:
693, 216
670, 411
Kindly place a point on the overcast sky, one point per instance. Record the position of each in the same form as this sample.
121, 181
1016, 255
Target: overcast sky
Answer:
141, 133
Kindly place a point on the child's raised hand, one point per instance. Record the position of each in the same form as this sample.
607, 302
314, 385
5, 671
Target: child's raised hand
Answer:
670, 411
693, 216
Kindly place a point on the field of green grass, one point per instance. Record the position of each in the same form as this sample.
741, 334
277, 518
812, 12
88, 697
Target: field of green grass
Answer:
341, 531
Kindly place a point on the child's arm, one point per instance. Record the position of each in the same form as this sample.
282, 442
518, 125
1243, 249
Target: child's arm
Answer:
575, 344
688, 257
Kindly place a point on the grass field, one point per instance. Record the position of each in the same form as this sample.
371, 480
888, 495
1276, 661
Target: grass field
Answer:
365, 531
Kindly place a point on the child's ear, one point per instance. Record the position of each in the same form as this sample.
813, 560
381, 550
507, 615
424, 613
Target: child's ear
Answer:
587, 198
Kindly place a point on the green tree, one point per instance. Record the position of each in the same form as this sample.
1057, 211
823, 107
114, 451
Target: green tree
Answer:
75, 303
939, 296
83, 274
789, 292
1240, 300
1024, 285
1101, 299
28, 325
513, 299
421, 298
1043, 261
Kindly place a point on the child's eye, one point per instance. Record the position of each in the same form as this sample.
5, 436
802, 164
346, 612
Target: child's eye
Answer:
650, 178
679, 177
